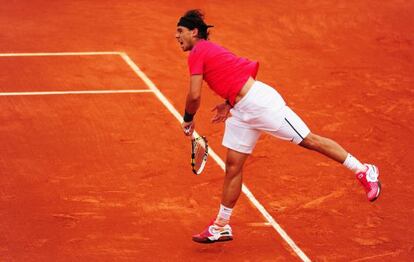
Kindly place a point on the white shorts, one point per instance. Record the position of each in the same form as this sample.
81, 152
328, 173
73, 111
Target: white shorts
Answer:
262, 109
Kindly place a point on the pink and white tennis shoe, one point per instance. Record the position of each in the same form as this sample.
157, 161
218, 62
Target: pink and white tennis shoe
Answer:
214, 233
370, 182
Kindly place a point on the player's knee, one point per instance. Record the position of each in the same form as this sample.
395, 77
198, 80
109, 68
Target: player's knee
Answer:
312, 141
232, 168
234, 163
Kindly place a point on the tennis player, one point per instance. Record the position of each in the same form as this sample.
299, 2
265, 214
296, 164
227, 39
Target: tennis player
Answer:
254, 108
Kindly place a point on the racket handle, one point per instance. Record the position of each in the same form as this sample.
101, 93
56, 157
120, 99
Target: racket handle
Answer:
187, 130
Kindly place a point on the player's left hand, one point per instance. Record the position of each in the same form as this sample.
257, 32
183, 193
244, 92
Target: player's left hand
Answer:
222, 112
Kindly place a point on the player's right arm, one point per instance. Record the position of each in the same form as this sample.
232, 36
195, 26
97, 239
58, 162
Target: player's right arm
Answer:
192, 103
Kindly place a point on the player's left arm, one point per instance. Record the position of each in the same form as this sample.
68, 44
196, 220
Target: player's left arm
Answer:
192, 103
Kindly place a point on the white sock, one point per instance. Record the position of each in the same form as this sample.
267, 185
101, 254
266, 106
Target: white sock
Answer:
223, 216
353, 164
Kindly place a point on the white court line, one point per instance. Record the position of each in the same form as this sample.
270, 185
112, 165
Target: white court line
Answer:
60, 54
219, 161
47, 93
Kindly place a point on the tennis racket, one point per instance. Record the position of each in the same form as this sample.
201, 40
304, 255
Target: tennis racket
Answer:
199, 153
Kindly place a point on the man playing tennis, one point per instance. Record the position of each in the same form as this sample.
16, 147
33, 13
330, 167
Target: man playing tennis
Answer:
255, 108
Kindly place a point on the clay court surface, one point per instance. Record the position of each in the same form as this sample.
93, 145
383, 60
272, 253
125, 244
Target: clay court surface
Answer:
105, 176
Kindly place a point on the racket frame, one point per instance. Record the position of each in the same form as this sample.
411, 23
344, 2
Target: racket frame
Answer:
194, 140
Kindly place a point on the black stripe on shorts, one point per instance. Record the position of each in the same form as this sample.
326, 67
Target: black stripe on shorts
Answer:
294, 128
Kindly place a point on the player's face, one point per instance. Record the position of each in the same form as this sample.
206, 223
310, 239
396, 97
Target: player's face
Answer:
185, 37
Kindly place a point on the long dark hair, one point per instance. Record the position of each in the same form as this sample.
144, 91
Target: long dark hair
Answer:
195, 19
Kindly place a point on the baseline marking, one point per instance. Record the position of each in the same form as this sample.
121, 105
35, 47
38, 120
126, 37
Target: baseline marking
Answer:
83, 92
60, 54
219, 161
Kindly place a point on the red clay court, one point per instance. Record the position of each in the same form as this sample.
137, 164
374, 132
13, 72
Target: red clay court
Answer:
94, 165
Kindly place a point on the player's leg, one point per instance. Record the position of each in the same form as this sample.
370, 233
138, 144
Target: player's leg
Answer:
367, 174
233, 178
327, 147
232, 186
295, 130
219, 229
240, 140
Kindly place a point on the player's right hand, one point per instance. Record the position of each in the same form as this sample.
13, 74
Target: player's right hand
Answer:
188, 128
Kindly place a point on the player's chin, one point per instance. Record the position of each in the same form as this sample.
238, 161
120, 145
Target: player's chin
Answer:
185, 48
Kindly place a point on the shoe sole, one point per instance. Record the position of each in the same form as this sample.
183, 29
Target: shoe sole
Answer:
378, 193
208, 241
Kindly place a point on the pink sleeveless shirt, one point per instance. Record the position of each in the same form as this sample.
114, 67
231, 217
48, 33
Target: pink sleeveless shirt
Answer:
224, 72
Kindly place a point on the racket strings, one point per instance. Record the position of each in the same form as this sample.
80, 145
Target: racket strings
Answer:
199, 153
